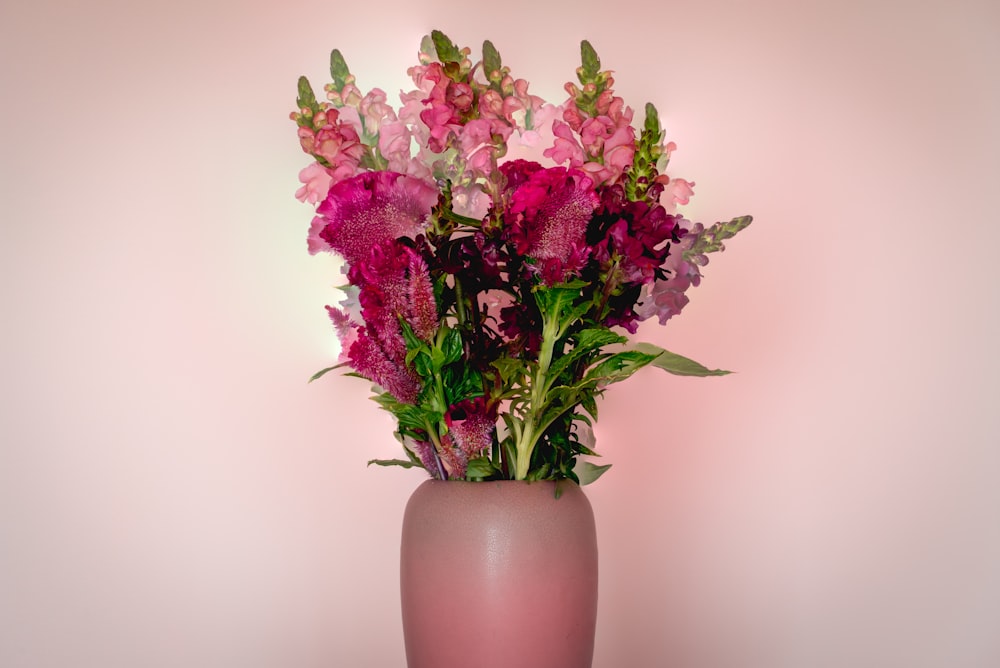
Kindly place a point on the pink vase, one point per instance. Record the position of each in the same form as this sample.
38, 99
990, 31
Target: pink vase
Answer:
498, 575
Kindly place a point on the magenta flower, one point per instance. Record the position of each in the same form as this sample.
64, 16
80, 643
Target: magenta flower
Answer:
369, 359
548, 214
470, 433
471, 425
374, 207
665, 297
422, 313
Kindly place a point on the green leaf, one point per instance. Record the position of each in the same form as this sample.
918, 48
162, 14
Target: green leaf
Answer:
676, 364
591, 63
480, 467
406, 464
408, 415
585, 341
652, 124
452, 347
587, 472
619, 366
323, 372
509, 367
307, 98
423, 363
447, 52
491, 58
338, 69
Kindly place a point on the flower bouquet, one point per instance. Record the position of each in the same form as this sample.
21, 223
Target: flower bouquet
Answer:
498, 249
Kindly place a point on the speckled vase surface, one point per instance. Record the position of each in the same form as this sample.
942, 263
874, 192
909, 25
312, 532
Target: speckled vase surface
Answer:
498, 575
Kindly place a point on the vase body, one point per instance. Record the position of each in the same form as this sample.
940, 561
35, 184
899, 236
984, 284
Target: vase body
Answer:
498, 575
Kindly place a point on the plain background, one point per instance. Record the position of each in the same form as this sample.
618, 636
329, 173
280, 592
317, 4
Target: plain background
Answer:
173, 494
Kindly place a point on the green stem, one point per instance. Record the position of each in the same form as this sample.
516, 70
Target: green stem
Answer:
436, 442
528, 438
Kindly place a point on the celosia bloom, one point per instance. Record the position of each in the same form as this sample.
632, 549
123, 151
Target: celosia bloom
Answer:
549, 213
373, 207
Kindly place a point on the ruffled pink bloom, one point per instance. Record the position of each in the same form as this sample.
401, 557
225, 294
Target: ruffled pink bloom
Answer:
619, 151
565, 148
374, 111
476, 145
531, 143
314, 242
364, 211
676, 192
316, 180
337, 144
470, 201
349, 116
394, 145
442, 123
348, 96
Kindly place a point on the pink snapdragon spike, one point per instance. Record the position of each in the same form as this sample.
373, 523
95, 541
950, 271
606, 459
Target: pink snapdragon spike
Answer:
334, 142
364, 211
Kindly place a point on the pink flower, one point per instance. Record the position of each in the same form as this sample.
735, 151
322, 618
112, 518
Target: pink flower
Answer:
369, 359
373, 207
394, 144
476, 144
665, 298
549, 213
347, 331
676, 191
422, 313
424, 451
470, 201
566, 147
316, 181
337, 144
314, 242
471, 425
374, 111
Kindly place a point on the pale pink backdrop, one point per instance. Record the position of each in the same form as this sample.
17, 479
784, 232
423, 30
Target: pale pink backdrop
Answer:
173, 494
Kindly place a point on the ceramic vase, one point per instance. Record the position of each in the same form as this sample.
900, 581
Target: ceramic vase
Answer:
499, 575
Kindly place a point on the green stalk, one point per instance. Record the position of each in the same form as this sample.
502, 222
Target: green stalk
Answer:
529, 436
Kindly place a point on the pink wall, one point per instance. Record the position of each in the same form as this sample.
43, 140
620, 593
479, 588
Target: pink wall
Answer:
172, 493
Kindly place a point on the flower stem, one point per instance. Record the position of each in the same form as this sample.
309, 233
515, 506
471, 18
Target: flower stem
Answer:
531, 433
